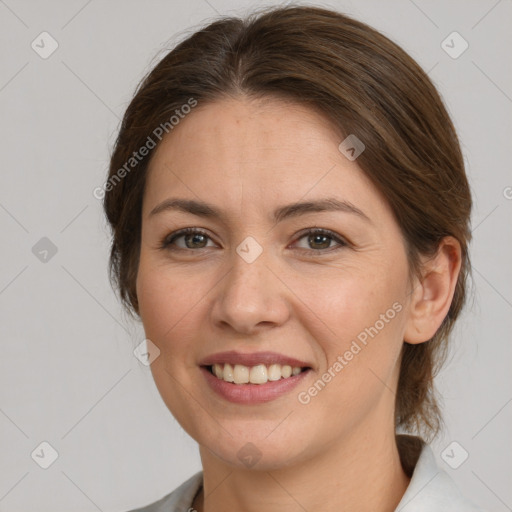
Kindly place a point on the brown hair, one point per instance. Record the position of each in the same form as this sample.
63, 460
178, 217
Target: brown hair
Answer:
366, 85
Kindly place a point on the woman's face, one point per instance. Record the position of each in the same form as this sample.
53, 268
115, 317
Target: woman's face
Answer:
254, 279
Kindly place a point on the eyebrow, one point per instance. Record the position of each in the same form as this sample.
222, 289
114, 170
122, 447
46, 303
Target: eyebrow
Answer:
207, 210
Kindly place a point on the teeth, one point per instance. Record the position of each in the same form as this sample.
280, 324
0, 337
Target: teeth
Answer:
241, 374
218, 370
259, 374
296, 370
286, 371
274, 372
228, 374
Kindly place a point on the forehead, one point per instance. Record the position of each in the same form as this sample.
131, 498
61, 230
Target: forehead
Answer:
258, 152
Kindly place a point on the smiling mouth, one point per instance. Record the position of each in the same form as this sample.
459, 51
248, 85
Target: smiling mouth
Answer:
259, 374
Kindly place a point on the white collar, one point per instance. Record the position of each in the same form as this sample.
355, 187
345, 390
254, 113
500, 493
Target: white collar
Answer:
432, 489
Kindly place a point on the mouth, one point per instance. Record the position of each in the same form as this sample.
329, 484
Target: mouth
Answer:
253, 378
258, 374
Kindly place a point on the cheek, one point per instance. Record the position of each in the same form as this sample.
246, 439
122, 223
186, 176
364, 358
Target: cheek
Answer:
166, 302
353, 299
173, 311
169, 305
362, 313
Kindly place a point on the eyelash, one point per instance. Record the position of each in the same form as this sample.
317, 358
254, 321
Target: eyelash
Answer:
168, 240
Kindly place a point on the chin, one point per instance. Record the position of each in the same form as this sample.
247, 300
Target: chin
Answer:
254, 457
251, 449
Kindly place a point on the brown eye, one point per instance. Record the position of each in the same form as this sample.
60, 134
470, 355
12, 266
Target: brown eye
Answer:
187, 239
195, 241
318, 240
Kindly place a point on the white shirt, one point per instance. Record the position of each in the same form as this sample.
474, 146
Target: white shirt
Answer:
431, 489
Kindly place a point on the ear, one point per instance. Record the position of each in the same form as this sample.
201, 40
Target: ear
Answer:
433, 292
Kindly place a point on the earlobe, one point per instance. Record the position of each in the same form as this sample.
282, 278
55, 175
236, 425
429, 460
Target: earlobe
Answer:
433, 292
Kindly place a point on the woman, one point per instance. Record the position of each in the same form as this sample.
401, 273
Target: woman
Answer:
290, 217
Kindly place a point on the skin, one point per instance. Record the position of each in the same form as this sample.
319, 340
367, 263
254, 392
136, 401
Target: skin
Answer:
248, 158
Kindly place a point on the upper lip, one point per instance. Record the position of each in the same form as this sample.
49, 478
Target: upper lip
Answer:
252, 359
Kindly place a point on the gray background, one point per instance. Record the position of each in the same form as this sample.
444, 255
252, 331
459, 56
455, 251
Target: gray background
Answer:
67, 372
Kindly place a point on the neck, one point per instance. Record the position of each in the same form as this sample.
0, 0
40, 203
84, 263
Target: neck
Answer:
362, 473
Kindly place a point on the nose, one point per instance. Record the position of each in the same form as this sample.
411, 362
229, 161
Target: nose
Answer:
250, 297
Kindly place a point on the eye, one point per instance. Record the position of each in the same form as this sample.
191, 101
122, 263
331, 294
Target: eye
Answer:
318, 240
191, 238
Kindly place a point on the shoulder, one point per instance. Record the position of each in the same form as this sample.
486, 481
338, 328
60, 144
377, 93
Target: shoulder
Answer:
179, 500
432, 489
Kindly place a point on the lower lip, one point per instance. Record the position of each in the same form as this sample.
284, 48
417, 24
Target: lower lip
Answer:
252, 393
